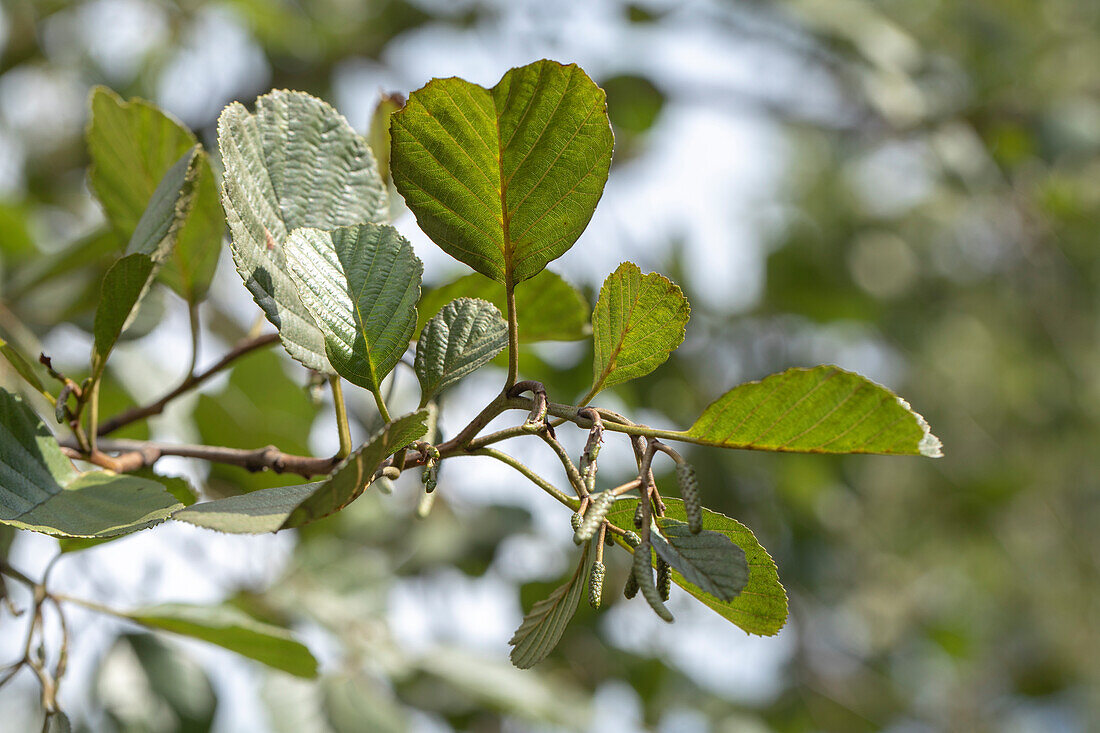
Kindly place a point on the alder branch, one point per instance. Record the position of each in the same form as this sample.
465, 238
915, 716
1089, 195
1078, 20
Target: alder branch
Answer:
190, 382
135, 454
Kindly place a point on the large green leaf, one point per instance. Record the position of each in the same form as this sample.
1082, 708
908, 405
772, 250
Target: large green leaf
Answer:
132, 145
761, 608
41, 491
361, 285
638, 321
178, 487
819, 410
504, 179
708, 559
154, 236
548, 308
457, 341
542, 628
285, 507
231, 629
294, 163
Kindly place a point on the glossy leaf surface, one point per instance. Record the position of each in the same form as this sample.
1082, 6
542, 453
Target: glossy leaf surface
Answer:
819, 410
504, 179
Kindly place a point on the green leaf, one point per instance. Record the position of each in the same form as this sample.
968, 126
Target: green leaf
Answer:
819, 410
457, 341
360, 284
543, 627
41, 491
761, 608
132, 145
24, 368
231, 629
708, 559
638, 321
178, 487
285, 507
504, 179
130, 278
548, 308
295, 163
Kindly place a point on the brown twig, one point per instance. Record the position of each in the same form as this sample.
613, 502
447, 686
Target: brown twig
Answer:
136, 454
190, 382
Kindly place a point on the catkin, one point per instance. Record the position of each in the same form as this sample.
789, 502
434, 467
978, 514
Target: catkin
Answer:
575, 521
631, 588
689, 491
639, 517
664, 579
598, 507
643, 574
632, 538
595, 585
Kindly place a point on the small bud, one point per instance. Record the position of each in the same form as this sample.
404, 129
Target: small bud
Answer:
664, 579
575, 521
632, 538
689, 491
595, 585
638, 516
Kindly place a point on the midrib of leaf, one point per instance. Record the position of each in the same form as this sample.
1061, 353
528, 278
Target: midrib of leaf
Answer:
510, 252
611, 362
507, 250
362, 325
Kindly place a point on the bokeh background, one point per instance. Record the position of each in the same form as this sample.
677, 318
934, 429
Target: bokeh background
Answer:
908, 189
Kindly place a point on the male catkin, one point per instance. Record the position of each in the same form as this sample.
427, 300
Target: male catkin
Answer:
689, 491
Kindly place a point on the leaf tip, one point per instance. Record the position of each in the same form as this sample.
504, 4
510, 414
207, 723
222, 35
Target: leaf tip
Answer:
929, 445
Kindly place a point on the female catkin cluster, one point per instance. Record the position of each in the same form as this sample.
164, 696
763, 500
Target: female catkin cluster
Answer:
689, 491
595, 585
